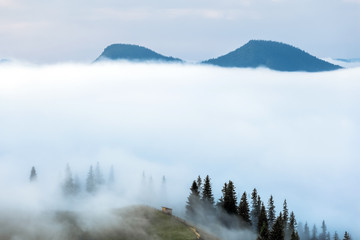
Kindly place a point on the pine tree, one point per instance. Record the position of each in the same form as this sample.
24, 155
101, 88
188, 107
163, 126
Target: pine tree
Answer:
193, 202
90, 181
33, 175
347, 236
263, 226
306, 232
328, 236
68, 186
292, 223
336, 236
314, 233
220, 203
254, 209
285, 214
230, 199
207, 195
271, 211
199, 184
244, 210
322, 235
277, 231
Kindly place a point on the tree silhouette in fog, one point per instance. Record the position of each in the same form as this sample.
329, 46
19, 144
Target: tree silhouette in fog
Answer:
33, 174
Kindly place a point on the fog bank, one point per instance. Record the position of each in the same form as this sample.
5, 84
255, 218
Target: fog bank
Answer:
293, 135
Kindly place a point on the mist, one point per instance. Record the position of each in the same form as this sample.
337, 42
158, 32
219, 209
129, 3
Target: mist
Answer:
292, 135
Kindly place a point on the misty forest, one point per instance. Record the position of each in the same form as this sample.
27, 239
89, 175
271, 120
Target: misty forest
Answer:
248, 216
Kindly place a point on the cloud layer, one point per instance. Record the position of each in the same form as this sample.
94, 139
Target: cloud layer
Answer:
293, 135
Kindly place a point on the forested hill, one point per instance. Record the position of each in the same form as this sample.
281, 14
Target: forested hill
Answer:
132, 53
273, 55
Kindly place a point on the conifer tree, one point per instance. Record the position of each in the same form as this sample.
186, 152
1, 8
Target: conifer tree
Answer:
336, 236
193, 202
277, 231
220, 203
285, 214
263, 226
322, 235
207, 195
230, 199
90, 181
68, 186
199, 184
314, 233
33, 175
254, 209
271, 211
292, 223
306, 232
244, 210
347, 236
328, 236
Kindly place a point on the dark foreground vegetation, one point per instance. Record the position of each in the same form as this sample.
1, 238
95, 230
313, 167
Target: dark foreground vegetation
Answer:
256, 216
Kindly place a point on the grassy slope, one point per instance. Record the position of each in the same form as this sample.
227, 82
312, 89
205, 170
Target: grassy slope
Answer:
135, 223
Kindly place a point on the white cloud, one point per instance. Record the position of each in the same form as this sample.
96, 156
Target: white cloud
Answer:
293, 135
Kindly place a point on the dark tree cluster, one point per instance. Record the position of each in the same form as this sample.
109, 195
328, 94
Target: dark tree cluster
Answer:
254, 216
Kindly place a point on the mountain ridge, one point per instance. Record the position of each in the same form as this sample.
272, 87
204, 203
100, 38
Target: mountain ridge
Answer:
273, 55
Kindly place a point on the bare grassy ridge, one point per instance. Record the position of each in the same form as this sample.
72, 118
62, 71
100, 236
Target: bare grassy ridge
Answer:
135, 223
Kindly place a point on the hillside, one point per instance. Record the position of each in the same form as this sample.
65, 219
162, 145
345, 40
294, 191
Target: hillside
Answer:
137, 222
273, 55
133, 53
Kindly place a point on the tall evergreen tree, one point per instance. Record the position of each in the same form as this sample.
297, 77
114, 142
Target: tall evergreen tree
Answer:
193, 202
322, 235
347, 236
295, 236
328, 236
207, 195
254, 213
90, 181
292, 223
285, 214
277, 231
33, 174
244, 210
271, 211
336, 236
314, 233
220, 203
199, 184
263, 226
230, 199
68, 185
306, 232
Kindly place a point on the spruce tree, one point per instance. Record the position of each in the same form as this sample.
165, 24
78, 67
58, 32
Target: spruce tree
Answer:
292, 223
322, 235
285, 214
244, 210
336, 236
254, 209
295, 236
277, 231
306, 232
230, 199
314, 233
263, 226
33, 175
68, 186
220, 203
271, 211
199, 184
347, 236
90, 181
193, 202
207, 195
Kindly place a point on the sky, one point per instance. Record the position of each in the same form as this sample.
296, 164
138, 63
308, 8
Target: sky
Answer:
61, 31
293, 135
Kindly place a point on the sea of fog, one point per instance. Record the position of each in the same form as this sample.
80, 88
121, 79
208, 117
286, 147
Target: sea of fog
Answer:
293, 135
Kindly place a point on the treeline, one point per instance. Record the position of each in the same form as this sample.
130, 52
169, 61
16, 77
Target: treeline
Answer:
254, 216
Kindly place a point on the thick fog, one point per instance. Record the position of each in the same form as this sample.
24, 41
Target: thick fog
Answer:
293, 135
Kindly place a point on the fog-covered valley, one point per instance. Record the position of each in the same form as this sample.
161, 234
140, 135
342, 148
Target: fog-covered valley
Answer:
293, 135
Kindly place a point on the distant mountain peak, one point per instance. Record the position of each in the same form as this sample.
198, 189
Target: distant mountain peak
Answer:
274, 55
131, 52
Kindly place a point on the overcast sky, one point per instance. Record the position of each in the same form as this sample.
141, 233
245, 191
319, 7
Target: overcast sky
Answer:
55, 31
